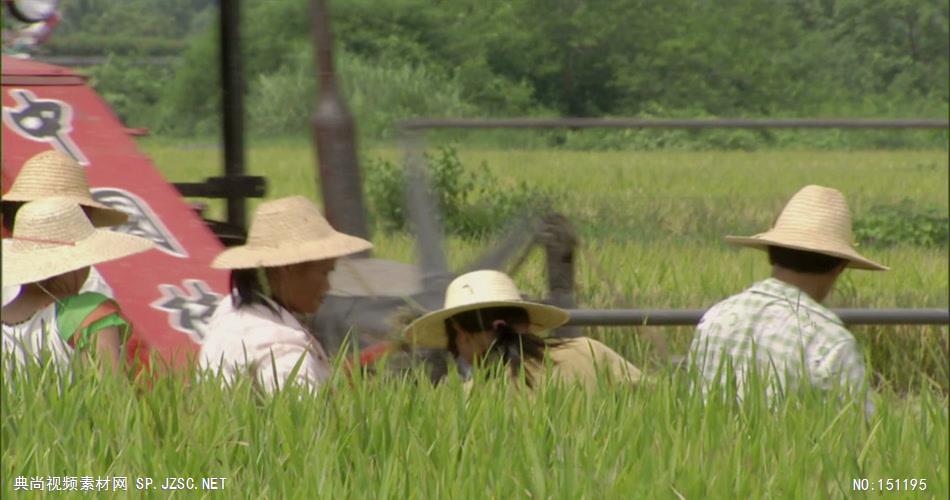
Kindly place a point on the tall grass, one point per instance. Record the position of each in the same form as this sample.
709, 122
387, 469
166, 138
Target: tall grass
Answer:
401, 437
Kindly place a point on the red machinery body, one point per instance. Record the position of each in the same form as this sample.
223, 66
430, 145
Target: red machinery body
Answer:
169, 293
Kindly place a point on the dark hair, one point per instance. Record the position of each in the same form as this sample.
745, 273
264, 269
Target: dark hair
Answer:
803, 261
510, 347
10, 209
246, 290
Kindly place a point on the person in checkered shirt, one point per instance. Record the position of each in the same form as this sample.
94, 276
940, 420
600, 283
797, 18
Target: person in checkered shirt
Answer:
778, 327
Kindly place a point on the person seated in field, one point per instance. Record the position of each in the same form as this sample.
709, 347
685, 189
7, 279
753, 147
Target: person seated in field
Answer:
52, 173
45, 262
778, 327
278, 276
485, 321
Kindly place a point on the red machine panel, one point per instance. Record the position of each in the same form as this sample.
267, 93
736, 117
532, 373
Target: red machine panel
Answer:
169, 293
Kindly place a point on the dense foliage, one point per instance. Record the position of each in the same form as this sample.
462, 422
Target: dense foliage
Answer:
679, 58
903, 223
471, 202
139, 27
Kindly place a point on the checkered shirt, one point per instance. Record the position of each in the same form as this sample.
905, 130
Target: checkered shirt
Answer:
783, 334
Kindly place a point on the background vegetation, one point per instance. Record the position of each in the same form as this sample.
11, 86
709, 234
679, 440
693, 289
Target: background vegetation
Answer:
402, 58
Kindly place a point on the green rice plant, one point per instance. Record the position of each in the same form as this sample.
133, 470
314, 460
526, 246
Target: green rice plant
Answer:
401, 437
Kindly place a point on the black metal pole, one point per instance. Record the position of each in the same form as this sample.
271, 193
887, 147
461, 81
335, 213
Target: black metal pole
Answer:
232, 93
688, 317
334, 135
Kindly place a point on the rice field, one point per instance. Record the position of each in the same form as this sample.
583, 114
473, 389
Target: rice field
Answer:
404, 438
651, 227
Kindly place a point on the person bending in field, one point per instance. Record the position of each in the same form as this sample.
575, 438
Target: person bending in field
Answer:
279, 275
46, 316
485, 321
778, 327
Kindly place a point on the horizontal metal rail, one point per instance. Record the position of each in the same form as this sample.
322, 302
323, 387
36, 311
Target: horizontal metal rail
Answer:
813, 123
687, 317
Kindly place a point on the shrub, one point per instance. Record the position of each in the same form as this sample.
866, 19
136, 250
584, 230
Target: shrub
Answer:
90, 44
379, 94
471, 203
131, 88
903, 223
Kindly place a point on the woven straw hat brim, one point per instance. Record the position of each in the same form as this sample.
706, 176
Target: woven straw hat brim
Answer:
798, 242
100, 215
37, 264
254, 256
10, 293
428, 331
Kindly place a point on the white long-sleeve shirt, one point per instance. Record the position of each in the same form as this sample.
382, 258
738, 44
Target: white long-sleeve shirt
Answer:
255, 340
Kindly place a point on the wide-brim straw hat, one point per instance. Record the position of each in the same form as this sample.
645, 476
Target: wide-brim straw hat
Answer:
289, 231
10, 293
480, 290
52, 236
816, 219
52, 173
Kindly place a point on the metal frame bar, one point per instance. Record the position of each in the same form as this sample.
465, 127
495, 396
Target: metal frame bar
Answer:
809, 123
688, 317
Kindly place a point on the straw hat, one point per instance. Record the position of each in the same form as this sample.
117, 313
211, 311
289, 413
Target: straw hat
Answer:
289, 231
52, 236
816, 220
10, 293
480, 290
52, 173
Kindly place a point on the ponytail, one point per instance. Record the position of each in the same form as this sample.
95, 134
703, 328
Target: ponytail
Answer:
514, 348
247, 289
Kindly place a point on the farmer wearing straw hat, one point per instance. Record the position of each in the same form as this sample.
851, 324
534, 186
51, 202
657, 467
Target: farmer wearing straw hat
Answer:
279, 276
46, 261
486, 320
778, 326
52, 173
